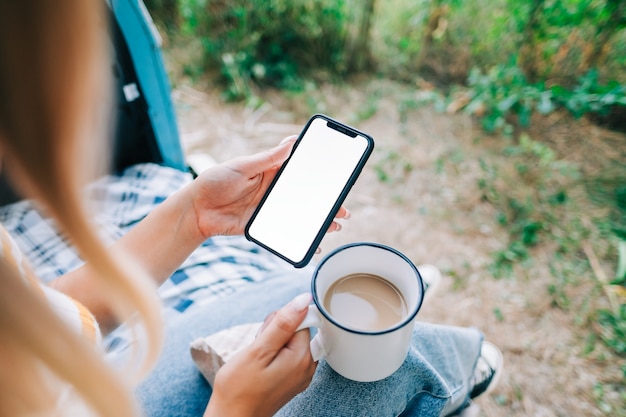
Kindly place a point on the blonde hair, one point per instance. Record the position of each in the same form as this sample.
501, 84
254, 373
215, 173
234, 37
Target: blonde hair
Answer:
54, 77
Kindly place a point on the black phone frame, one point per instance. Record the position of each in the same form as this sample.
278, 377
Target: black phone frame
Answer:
345, 129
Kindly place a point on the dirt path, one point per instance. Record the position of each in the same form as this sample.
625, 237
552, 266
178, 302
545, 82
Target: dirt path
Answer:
429, 206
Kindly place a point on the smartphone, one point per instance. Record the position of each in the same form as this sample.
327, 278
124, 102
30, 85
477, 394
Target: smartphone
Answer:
309, 188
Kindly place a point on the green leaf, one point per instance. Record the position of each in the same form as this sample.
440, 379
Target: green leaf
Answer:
608, 99
506, 104
524, 115
545, 104
474, 105
621, 265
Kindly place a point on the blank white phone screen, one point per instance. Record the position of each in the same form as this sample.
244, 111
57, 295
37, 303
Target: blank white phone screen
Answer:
307, 190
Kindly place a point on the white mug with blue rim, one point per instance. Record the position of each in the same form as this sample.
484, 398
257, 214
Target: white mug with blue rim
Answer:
356, 352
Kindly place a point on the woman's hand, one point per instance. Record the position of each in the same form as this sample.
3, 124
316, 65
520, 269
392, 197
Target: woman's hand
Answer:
277, 366
225, 196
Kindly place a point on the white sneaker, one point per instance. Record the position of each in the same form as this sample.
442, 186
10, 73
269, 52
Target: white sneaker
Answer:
488, 370
431, 277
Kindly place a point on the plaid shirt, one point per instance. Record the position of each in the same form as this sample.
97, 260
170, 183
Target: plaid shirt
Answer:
219, 266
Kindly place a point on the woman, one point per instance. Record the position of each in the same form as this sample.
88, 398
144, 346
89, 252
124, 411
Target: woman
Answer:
53, 112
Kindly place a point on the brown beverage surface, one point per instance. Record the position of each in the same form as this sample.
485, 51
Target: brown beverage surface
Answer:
365, 301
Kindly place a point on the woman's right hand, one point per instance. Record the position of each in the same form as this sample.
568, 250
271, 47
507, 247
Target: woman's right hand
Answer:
277, 366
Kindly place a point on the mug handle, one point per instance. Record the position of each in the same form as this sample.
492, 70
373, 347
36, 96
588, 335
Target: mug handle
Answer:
313, 319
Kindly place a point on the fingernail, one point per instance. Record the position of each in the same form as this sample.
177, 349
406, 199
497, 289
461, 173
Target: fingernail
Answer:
287, 139
301, 302
338, 228
267, 321
348, 214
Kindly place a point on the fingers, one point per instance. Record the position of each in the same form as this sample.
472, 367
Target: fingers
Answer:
267, 321
343, 213
335, 226
279, 327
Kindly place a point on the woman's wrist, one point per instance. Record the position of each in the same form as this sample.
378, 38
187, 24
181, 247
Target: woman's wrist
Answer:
184, 203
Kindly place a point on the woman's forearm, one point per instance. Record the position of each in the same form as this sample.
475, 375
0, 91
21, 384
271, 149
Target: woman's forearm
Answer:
160, 243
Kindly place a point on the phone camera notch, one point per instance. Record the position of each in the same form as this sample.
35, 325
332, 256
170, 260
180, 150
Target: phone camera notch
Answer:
341, 129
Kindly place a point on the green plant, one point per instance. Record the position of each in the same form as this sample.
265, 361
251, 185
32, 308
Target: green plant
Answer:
612, 329
542, 212
556, 40
282, 41
393, 167
534, 211
503, 97
612, 322
590, 96
610, 191
620, 275
502, 92
272, 43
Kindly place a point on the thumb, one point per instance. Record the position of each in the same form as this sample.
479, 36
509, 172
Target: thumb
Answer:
271, 158
283, 324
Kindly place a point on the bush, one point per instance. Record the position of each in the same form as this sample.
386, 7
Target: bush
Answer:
275, 42
504, 91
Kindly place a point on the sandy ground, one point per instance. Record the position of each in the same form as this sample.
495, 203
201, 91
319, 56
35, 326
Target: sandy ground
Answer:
431, 209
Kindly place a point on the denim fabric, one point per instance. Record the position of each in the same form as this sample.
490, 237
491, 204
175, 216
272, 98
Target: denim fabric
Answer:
433, 381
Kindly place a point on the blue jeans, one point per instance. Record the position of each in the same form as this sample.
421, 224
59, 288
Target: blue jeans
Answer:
433, 380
